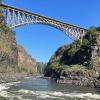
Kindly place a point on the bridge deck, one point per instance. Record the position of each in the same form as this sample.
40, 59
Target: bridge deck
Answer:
21, 10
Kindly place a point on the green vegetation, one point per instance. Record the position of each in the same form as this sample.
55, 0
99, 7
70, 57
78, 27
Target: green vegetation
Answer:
25, 70
74, 47
85, 42
76, 56
40, 67
3, 27
7, 29
93, 30
21, 69
74, 68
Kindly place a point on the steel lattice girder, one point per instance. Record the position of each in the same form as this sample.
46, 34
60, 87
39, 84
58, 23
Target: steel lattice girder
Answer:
14, 17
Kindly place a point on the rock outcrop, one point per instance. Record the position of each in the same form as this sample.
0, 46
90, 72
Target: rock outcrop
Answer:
77, 63
8, 54
14, 60
8, 50
95, 53
26, 64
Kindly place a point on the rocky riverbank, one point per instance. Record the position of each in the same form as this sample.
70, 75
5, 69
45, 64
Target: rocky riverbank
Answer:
87, 78
79, 62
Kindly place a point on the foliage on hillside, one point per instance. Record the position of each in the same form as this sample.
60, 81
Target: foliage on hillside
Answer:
77, 53
40, 67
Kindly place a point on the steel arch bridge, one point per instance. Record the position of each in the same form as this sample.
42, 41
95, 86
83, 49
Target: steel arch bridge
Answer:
15, 17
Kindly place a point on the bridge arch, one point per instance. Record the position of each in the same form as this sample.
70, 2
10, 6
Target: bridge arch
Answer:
15, 17
44, 23
40, 40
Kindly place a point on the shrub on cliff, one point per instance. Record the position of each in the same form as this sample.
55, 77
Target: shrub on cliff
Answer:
76, 53
7, 29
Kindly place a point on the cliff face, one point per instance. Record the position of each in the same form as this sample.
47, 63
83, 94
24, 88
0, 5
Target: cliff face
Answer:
77, 63
8, 50
14, 60
26, 64
95, 53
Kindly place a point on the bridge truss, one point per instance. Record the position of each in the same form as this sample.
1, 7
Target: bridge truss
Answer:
15, 17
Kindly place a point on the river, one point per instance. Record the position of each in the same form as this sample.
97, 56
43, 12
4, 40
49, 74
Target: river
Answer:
37, 88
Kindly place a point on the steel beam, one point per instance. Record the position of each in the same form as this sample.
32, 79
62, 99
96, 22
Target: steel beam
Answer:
16, 17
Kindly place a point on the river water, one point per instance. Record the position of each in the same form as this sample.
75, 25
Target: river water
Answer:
36, 88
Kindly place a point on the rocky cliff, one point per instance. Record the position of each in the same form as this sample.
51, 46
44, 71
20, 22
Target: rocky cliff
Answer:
14, 60
8, 50
26, 64
8, 54
79, 62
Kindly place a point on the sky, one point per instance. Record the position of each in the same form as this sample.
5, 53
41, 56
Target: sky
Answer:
42, 41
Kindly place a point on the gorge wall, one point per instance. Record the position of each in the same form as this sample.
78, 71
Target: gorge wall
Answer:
26, 64
79, 62
8, 50
14, 60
